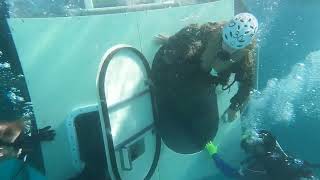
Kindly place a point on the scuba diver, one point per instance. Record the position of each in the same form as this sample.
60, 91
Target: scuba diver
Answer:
266, 160
15, 143
267, 157
188, 67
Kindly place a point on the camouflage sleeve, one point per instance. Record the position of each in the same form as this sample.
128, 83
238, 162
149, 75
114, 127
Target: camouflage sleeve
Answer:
245, 75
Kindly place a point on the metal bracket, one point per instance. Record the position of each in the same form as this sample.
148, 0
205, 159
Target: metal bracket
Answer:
126, 162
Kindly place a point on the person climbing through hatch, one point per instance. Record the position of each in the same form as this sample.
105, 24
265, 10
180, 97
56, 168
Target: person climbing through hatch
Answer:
191, 63
14, 142
266, 160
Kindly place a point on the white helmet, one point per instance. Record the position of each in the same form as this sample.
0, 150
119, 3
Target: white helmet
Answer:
240, 31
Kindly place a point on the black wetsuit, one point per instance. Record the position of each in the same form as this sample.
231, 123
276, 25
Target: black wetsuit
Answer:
275, 164
185, 93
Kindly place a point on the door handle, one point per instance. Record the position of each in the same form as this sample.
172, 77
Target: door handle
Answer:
125, 159
130, 153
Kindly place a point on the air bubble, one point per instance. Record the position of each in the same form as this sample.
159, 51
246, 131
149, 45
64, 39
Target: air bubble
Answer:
14, 98
277, 103
4, 65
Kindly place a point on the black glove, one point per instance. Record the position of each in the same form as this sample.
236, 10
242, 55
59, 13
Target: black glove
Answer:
44, 134
27, 142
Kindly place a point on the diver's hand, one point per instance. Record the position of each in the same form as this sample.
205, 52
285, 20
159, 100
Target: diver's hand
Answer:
211, 148
229, 115
25, 144
45, 134
161, 39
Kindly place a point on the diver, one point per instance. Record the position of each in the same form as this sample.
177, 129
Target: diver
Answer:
266, 160
191, 63
269, 159
15, 143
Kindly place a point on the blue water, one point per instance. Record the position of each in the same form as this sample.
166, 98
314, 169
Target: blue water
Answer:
293, 33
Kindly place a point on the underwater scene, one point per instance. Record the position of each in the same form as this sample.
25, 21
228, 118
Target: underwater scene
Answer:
159, 89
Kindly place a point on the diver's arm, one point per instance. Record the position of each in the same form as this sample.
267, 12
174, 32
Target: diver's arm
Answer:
251, 166
239, 100
245, 76
24, 144
224, 167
